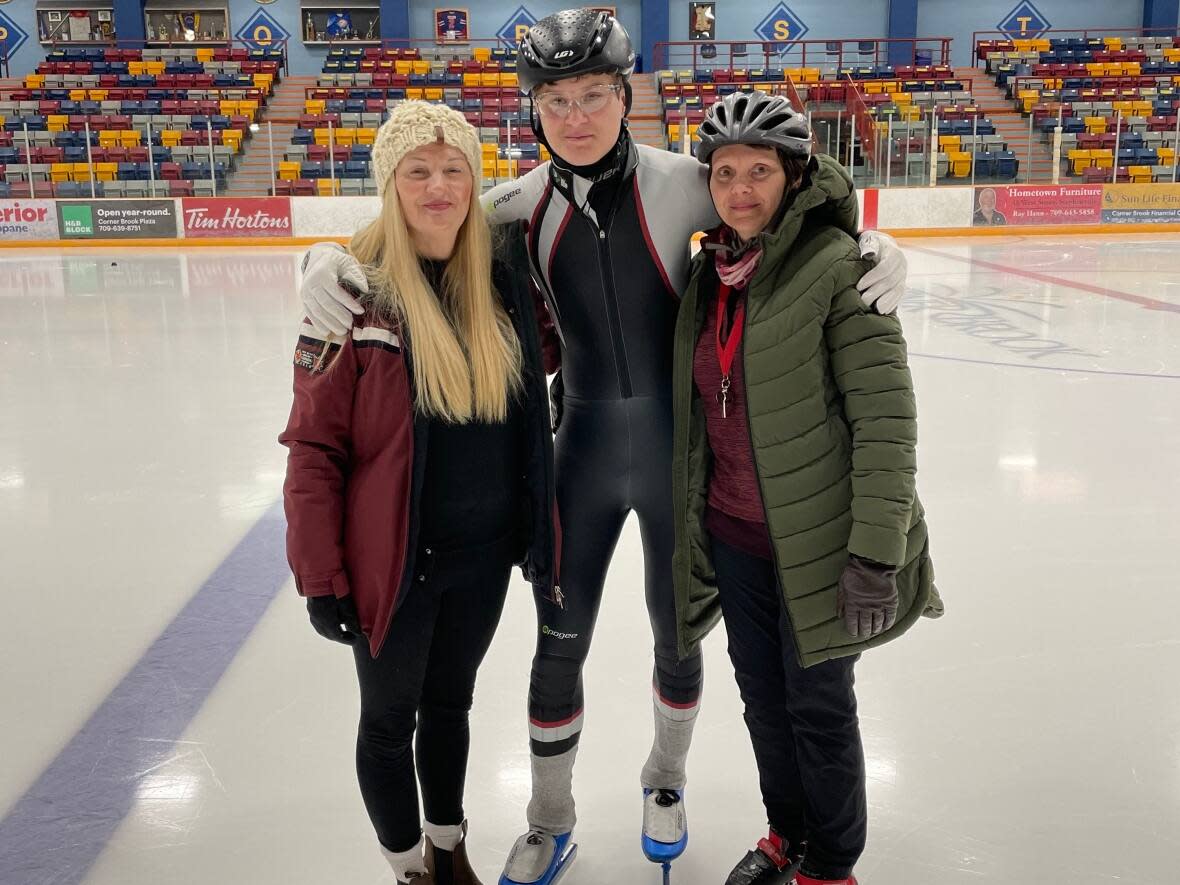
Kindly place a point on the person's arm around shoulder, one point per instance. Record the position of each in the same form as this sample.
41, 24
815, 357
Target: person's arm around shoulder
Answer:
516, 200
327, 269
318, 439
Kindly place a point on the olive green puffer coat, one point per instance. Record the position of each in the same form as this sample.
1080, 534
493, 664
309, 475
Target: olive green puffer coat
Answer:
833, 425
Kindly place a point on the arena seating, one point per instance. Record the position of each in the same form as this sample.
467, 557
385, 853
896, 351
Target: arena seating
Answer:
330, 149
178, 116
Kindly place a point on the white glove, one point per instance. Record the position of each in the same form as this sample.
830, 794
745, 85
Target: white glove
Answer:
329, 307
883, 286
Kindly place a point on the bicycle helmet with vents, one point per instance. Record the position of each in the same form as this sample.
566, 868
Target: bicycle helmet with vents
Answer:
754, 118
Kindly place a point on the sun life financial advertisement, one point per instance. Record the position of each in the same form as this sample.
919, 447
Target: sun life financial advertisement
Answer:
1140, 203
249, 217
28, 220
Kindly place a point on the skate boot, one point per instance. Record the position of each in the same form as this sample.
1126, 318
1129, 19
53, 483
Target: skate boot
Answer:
801, 879
665, 827
538, 859
769, 864
450, 867
417, 879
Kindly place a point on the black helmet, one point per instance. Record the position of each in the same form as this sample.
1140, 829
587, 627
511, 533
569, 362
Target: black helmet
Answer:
571, 43
754, 118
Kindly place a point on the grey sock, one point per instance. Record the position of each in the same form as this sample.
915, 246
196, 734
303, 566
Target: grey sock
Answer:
551, 808
665, 767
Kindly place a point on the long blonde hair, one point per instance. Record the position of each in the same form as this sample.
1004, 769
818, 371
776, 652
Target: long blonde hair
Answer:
466, 356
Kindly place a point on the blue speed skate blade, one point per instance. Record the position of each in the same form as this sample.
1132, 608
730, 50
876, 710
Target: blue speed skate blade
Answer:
539, 859
665, 827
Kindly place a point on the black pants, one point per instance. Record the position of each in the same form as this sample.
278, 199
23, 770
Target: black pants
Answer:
802, 722
612, 457
425, 676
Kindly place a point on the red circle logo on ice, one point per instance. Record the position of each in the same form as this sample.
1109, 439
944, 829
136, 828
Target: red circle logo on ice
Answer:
238, 218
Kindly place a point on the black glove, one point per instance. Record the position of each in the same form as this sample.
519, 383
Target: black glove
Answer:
556, 399
867, 597
335, 618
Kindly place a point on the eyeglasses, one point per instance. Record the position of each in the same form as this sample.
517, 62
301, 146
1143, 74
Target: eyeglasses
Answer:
590, 102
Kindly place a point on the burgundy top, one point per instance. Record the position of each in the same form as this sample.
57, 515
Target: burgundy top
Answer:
735, 500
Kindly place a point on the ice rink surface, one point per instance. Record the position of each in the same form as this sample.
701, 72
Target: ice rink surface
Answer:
169, 716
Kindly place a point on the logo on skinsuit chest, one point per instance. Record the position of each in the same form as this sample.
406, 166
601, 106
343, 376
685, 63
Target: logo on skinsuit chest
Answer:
548, 631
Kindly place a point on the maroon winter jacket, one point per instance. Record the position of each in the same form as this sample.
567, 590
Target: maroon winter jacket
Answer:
357, 457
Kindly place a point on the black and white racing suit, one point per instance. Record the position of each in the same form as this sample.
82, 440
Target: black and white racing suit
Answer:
612, 281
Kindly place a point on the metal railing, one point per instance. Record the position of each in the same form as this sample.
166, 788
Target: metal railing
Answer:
824, 54
991, 36
146, 45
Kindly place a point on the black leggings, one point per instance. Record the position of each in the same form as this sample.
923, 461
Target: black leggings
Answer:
802, 721
425, 675
613, 456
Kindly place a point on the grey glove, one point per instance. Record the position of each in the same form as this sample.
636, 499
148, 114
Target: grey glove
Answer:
867, 597
883, 287
335, 618
329, 306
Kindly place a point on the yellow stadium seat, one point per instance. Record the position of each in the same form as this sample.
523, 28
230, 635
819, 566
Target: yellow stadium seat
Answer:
1167, 156
154, 68
130, 138
947, 143
204, 55
960, 164
60, 171
98, 94
324, 136
34, 81
1079, 160
1103, 159
489, 81
80, 171
366, 136
289, 171
346, 137
314, 106
248, 108
170, 137
1112, 44
403, 67
228, 108
1140, 174
434, 93
106, 171
264, 81
509, 79
108, 138
57, 122
416, 93
77, 95
232, 138
326, 187
1095, 125
136, 68
481, 53
471, 79
421, 68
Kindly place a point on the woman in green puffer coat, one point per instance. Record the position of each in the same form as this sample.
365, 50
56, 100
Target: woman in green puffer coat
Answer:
794, 477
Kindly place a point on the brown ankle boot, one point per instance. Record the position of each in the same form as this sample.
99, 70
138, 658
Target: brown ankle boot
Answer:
449, 867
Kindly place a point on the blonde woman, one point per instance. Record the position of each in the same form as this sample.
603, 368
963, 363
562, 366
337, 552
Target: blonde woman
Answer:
420, 470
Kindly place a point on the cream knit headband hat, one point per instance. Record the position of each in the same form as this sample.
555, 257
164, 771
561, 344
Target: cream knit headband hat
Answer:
413, 124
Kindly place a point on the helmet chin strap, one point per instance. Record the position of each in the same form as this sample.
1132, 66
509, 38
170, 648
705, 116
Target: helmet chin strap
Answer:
614, 160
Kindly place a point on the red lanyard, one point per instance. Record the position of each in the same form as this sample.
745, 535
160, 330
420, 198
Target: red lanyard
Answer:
727, 351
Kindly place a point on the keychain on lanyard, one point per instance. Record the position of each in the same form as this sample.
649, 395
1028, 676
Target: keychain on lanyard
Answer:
727, 351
